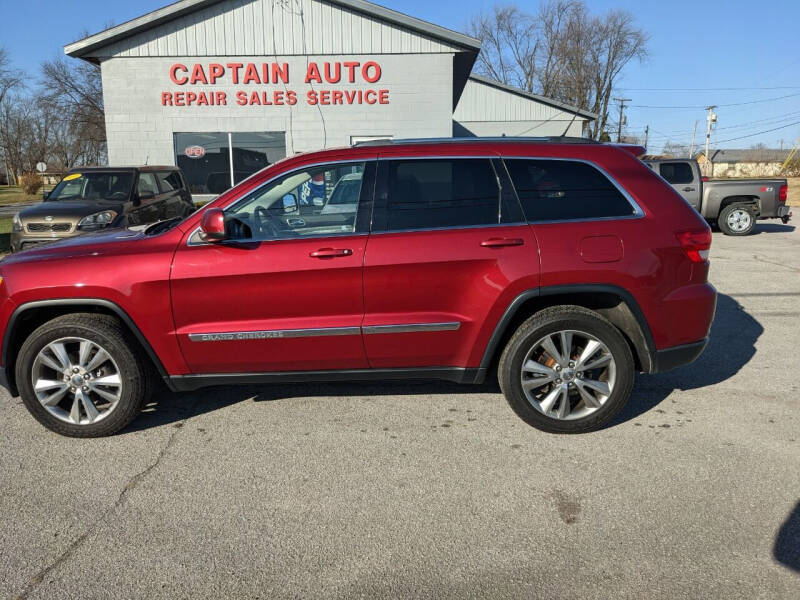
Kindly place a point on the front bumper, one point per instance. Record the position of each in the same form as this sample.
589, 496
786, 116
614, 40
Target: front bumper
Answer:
21, 240
677, 356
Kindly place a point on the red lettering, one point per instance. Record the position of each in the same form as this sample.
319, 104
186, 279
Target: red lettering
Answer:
325, 97
215, 71
312, 73
333, 78
278, 98
179, 99
254, 99
173, 71
251, 74
350, 96
166, 99
383, 96
241, 98
235, 69
190, 98
291, 98
311, 95
376, 71
351, 70
222, 99
202, 99
336, 97
369, 94
280, 71
198, 75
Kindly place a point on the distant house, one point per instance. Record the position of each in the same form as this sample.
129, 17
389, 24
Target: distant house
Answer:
753, 162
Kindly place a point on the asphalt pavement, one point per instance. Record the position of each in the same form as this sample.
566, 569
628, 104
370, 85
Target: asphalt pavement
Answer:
435, 490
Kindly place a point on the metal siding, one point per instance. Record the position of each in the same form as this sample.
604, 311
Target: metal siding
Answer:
481, 102
245, 27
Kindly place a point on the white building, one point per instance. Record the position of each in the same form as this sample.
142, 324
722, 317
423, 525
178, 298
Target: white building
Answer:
222, 88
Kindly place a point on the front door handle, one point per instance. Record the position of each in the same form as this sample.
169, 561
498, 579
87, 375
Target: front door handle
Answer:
688, 189
331, 252
501, 242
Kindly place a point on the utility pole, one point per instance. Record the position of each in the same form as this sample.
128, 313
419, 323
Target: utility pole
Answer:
622, 102
711, 118
694, 133
646, 136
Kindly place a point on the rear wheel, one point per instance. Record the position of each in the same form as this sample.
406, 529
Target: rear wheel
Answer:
79, 376
737, 219
566, 370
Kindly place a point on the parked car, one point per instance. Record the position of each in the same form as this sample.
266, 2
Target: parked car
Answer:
564, 265
733, 204
94, 198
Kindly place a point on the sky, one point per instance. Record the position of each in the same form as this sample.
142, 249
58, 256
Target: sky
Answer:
738, 54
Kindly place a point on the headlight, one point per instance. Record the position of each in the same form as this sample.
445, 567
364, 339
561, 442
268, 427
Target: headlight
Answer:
97, 220
16, 224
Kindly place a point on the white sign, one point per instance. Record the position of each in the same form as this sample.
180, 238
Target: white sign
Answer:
41, 167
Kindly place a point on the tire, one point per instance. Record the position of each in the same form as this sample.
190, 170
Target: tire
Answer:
585, 325
737, 219
116, 387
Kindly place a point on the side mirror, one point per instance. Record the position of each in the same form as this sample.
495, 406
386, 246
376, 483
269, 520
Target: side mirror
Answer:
213, 225
289, 203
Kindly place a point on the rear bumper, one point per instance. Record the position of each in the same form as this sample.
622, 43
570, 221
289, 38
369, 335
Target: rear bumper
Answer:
783, 211
677, 356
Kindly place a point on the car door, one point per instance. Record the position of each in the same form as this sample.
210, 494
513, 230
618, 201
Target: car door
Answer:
174, 205
448, 252
146, 207
285, 293
683, 178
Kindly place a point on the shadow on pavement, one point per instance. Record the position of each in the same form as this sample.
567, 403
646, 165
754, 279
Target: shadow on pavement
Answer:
732, 345
787, 544
772, 228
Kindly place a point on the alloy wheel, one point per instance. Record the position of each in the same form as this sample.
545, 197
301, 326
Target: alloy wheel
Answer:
76, 380
568, 374
739, 220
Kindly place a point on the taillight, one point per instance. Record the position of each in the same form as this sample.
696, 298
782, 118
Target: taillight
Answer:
696, 244
705, 178
783, 193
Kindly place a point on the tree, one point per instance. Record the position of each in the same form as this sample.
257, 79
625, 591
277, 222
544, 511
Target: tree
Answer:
562, 52
675, 149
10, 78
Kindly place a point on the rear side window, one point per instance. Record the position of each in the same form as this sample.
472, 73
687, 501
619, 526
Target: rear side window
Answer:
431, 193
677, 172
563, 190
147, 187
169, 180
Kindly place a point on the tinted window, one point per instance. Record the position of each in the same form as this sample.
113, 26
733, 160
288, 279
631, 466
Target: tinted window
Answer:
293, 206
102, 185
554, 190
147, 185
441, 193
677, 172
169, 181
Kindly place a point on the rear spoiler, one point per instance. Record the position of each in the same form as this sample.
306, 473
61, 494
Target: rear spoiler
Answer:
637, 151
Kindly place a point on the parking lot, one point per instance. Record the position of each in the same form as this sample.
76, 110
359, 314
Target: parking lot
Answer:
430, 489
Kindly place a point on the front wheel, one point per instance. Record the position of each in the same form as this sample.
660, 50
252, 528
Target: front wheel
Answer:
737, 219
566, 370
80, 376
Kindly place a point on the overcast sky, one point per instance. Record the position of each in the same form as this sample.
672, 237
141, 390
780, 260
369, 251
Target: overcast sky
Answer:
739, 53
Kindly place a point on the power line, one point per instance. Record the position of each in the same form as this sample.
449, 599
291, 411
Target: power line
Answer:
711, 89
698, 106
759, 133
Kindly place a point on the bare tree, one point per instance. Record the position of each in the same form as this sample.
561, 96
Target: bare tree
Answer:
675, 149
563, 52
10, 78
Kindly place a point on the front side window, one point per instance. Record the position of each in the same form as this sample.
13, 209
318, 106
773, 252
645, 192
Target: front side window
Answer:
93, 186
677, 172
559, 190
301, 204
435, 193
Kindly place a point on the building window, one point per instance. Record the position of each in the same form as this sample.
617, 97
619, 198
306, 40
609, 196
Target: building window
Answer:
214, 162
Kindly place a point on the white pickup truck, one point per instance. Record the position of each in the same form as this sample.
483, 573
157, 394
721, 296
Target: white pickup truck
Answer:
733, 204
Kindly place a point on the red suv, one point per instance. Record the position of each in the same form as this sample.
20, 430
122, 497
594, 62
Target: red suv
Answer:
566, 265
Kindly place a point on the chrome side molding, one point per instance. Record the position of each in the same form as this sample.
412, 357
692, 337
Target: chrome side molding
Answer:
233, 336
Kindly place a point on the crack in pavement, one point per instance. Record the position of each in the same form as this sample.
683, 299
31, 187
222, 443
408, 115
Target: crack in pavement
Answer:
78, 542
777, 264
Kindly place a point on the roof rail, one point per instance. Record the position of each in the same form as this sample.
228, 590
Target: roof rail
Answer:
472, 140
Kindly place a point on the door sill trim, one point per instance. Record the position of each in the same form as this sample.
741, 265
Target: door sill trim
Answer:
188, 383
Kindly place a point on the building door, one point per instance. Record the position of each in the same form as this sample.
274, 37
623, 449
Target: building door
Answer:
284, 293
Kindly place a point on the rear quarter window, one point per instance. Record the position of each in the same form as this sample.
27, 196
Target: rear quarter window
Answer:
169, 180
564, 190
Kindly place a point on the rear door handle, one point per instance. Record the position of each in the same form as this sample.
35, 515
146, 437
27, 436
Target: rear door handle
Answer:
500, 242
688, 189
331, 252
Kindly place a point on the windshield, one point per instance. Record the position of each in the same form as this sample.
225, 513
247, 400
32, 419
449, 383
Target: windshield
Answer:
106, 185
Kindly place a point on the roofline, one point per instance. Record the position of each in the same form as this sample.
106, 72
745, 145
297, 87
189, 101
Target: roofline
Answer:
83, 48
544, 100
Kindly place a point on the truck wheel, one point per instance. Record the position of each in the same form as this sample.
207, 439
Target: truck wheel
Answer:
566, 370
79, 376
737, 219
